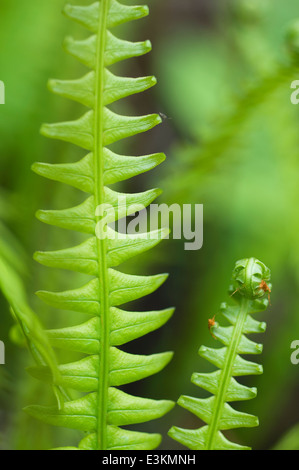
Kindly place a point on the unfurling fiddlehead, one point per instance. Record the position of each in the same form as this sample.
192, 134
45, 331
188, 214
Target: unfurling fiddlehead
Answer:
103, 408
251, 290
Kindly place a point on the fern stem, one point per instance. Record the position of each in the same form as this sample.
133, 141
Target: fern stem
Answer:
227, 373
101, 242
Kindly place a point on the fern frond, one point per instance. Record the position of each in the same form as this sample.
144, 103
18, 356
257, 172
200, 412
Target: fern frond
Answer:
27, 330
104, 408
37, 341
250, 285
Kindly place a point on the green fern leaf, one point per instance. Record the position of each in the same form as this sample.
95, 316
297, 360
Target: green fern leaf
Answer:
103, 408
28, 323
250, 285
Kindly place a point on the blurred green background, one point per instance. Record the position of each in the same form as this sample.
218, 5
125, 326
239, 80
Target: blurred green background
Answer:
232, 143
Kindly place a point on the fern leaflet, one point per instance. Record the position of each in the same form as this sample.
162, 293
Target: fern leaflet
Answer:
250, 286
103, 408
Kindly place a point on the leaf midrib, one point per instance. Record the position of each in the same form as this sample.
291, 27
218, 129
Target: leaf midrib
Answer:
102, 403
226, 374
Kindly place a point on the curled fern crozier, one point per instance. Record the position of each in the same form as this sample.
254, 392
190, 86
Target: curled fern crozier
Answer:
250, 278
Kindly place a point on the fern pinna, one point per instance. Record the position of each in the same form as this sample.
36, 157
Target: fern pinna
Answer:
251, 290
104, 408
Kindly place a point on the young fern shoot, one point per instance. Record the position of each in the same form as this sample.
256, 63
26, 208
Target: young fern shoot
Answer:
250, 278
103, 408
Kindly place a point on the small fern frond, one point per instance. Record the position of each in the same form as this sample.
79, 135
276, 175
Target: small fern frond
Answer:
104, 408
37, 341
27, 330
250, 285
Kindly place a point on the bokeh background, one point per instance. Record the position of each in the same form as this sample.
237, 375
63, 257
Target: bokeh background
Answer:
232, 142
